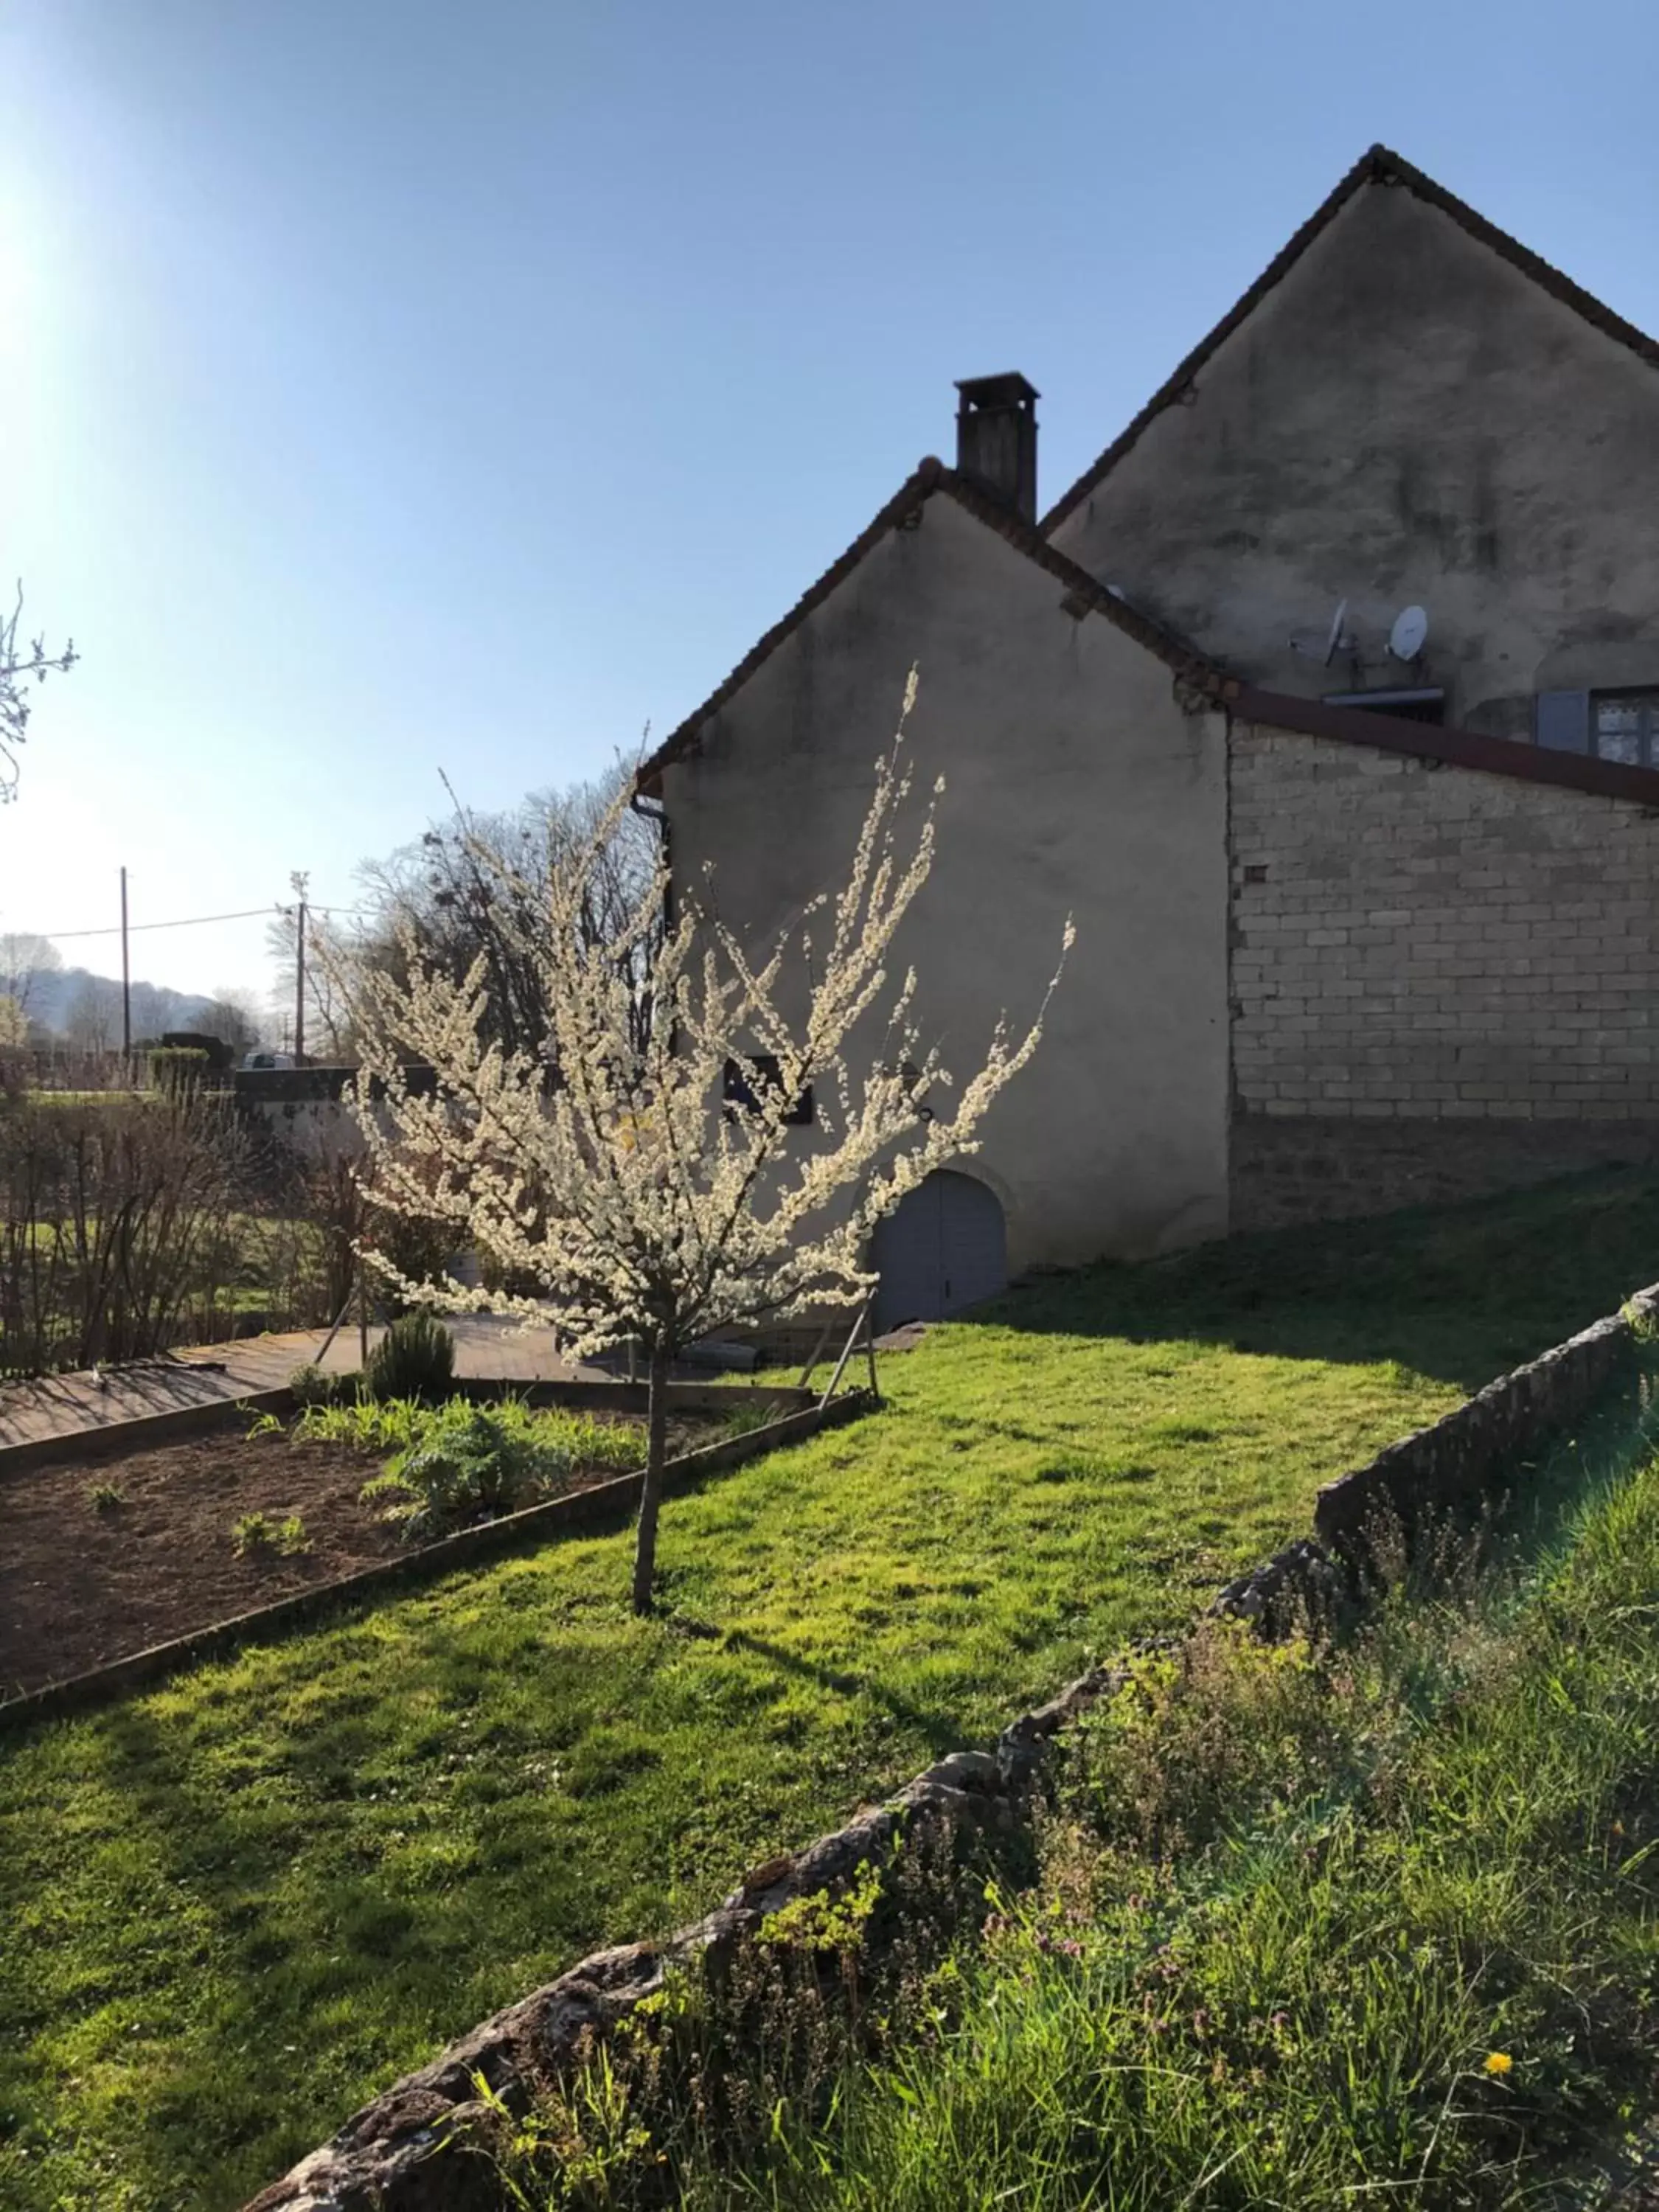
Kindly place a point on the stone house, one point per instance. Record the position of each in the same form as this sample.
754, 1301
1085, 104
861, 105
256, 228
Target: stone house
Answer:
1326, 701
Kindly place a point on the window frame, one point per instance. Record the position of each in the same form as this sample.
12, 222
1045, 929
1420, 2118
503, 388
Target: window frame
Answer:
1647, 696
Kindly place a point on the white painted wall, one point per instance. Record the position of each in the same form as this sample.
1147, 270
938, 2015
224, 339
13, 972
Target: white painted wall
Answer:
1075, 783
1406, 417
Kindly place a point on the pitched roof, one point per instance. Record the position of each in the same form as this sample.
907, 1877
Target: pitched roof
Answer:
931, 476
1379, 166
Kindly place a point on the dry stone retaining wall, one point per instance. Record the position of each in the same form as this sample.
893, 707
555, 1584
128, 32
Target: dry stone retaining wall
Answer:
406, 2152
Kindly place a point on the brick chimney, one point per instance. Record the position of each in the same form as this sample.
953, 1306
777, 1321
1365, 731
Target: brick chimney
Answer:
996, 439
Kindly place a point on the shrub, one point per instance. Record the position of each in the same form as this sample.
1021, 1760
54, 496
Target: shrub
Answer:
414, 1248
104, 1497
122, 1226
177, 1067
415, 1359
314, 1385
469, 1465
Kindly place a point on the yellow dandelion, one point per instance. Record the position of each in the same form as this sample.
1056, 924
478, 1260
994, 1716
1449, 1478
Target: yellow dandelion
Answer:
1499, 2061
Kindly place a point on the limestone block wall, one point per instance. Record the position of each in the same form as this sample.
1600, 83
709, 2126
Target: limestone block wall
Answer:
1428, 943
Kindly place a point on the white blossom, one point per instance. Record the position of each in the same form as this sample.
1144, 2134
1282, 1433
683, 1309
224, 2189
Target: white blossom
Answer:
614, 1176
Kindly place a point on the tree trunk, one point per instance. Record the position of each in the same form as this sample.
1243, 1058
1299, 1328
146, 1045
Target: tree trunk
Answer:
656, 1450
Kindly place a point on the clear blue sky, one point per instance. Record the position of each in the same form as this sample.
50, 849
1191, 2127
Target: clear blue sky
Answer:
387, 385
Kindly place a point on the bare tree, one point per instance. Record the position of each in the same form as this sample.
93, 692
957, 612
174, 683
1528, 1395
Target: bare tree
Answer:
472, 886
639, 1163
94, 1021
233, 1016
20, 666
328, 1033
24, 958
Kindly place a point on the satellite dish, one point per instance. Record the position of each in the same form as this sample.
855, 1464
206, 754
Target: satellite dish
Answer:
1337, 640
1409, 634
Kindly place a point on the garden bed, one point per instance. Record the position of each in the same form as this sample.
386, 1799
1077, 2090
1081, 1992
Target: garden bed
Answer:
109, 1554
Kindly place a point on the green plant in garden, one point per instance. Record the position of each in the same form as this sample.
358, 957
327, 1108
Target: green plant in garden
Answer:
399, 1425
258, 1531
311, 1385
252, 1532
415, 1359
384, 1425
103, 1497
467, 1463
743, 1421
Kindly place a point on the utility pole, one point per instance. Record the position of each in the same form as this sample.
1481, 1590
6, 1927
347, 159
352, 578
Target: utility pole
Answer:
126, 985
299, 882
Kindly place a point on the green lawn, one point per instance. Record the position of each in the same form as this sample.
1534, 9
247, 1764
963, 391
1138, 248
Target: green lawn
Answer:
1383, 1929
234, 1907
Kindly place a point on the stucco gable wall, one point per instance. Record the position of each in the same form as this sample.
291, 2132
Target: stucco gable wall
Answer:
1405, 419
1075, 783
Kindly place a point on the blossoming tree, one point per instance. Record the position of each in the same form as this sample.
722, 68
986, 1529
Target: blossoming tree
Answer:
611, 1169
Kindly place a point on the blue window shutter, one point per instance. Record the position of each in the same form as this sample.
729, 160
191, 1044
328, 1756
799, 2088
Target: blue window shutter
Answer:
1563, 721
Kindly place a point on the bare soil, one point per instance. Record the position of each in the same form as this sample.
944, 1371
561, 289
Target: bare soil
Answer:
81, 1585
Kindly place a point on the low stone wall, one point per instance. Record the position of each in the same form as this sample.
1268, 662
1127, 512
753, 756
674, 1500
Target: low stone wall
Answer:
406, 2152
1285, 1170
1439, 1474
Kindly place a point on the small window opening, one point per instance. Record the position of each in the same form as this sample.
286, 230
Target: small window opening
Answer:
1624, 727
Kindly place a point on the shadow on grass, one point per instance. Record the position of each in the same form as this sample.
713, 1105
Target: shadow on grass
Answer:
1461, 1292
934, 1730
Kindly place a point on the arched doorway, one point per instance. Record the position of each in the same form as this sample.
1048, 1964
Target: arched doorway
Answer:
943, 1247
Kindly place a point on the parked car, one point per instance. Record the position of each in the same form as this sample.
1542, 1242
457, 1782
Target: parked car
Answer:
269, 1059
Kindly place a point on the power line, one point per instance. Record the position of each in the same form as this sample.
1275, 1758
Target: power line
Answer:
193, 921
189, 921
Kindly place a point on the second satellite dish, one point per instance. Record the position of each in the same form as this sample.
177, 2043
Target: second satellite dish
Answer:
1409, 634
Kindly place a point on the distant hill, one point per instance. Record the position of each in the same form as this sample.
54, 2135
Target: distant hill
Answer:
51, 996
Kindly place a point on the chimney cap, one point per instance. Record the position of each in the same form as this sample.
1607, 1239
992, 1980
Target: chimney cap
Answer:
1008, 390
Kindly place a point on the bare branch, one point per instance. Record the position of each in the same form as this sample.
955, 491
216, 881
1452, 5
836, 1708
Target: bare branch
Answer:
19, 668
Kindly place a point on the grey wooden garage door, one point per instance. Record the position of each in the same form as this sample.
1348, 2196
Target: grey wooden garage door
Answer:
943, 1247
